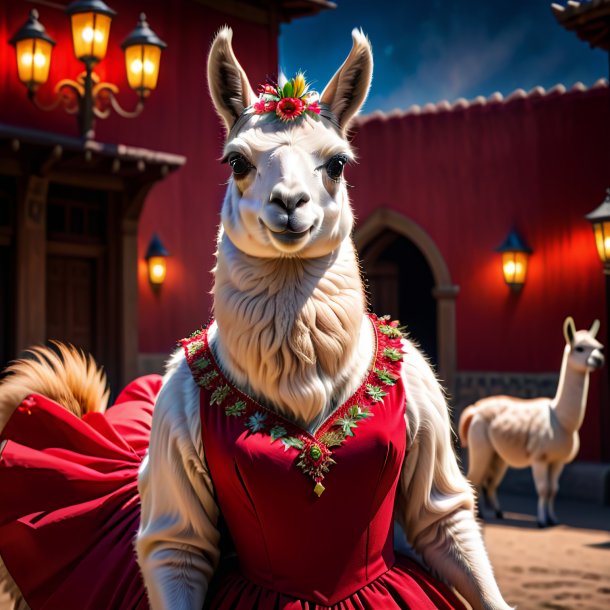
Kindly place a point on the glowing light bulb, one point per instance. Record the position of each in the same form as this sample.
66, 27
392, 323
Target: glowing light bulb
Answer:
26, 59
149, 66
509, 268
39, 60
88, 34
136, 66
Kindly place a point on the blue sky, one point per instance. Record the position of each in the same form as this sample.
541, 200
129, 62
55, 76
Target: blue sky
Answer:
433, 50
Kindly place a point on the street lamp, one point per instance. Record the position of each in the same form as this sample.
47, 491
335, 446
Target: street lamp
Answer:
600, 220
86, 96
515, 257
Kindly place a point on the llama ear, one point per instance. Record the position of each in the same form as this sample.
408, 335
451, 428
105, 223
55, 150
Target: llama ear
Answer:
569, 329
229, 86
594, 328
348, 88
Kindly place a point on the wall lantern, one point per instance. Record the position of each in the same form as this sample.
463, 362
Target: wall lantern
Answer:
156, 257
600, 219
515, 255
86, 96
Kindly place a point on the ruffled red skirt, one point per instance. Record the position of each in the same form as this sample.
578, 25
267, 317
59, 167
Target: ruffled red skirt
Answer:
70, 512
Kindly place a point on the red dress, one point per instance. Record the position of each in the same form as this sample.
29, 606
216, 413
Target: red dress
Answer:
310, 515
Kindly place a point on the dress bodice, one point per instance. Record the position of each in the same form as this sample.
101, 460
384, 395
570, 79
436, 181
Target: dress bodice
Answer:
310, 514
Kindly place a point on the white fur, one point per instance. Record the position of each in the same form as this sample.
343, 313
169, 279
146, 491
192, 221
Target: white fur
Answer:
502, 431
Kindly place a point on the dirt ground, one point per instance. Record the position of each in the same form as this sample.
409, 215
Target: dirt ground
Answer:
566, 567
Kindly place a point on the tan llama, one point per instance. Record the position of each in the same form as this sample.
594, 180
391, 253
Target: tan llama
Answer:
503, 431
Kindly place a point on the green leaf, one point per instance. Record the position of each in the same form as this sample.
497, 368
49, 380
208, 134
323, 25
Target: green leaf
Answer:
277, 432
201, 364
206, 380
194, 347
287, 91
219, 394
392, 354
347, 424
292, 441
237, 409
390, 331
385, 376
375, 392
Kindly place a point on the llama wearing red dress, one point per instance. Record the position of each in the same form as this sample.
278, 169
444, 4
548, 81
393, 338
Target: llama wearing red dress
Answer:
296, 422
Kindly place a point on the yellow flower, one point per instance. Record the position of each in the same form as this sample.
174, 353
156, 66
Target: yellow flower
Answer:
298, 85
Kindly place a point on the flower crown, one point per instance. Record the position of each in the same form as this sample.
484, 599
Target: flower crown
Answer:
289, 101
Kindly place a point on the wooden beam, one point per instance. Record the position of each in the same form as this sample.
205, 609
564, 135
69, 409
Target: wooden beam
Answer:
31, 264
128, 326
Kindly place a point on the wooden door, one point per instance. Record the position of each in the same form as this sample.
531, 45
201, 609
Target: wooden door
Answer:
72, 301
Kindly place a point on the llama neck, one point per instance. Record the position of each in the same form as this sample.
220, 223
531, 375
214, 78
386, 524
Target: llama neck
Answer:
288, 328
571, 398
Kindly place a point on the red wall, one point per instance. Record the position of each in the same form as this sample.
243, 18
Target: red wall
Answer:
467, 176
178, 118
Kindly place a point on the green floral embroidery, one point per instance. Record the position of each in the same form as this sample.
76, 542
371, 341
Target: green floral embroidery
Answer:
385, 376
292, 441
375, 392
201, 364
390, 331
194, 347
256, 422
350, 420
392, 353
219, 394
237, 409
206, 380
277, 432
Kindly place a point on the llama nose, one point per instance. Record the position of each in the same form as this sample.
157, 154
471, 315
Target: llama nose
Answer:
288, 199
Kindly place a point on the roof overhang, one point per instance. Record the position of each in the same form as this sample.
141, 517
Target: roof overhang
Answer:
269, 11
70, 160
589, 20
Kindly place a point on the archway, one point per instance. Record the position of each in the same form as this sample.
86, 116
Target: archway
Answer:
390, 244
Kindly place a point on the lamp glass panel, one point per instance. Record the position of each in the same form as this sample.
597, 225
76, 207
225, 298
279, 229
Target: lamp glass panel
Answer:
33, 61
90, 32
602, 239
514, 266
142, 64
157, 269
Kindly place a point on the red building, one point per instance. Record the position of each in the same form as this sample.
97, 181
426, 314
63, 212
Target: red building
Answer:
437, 189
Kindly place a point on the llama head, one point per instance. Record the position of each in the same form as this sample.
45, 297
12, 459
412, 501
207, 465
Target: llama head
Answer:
584, 350
287, 196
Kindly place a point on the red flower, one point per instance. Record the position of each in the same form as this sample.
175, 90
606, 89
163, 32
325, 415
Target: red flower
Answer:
289, 108
314, 107
262, 106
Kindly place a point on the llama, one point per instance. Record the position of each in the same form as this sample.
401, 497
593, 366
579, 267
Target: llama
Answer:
294, 375
501, 431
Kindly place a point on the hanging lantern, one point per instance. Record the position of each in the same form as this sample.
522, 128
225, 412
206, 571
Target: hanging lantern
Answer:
600, 220
33, 47
142, 57
156, 257
90, 29
515, 256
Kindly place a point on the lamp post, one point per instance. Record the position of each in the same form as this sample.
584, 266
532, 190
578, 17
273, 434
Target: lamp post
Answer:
86, 96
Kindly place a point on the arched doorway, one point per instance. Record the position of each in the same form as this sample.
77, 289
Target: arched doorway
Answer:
407, 274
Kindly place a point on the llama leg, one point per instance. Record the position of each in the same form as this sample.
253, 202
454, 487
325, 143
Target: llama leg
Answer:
540, 471
496, 471
480, 457
555, 470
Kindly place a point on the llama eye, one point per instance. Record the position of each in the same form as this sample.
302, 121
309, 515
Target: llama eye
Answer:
579, 349
240, 165
334, 167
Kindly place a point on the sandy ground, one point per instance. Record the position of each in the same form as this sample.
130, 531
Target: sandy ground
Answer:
566, 567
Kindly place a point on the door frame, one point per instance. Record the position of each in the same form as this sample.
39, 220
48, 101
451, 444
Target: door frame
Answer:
370, 234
